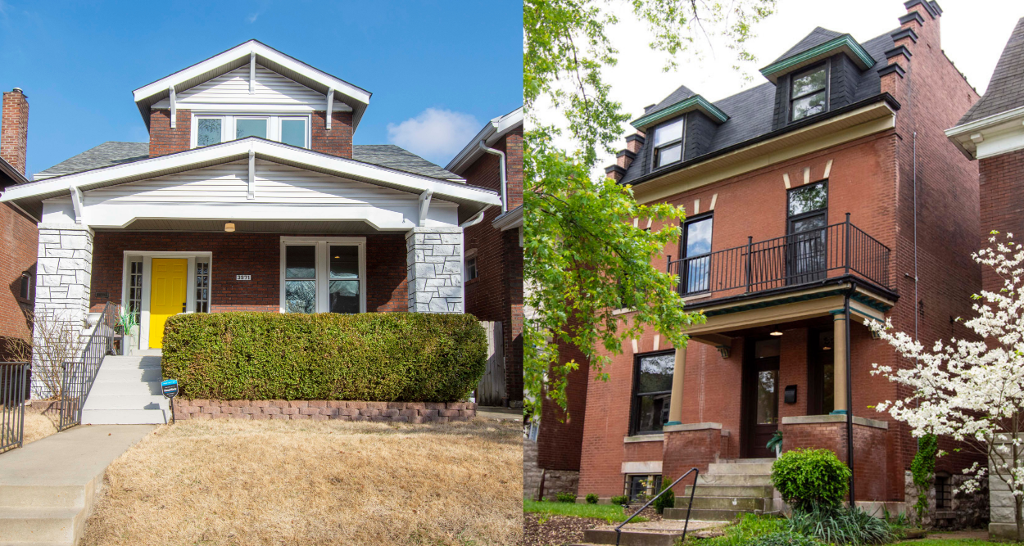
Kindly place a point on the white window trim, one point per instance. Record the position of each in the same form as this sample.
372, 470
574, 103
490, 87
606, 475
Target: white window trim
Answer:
322, 245
147, 270
228, 128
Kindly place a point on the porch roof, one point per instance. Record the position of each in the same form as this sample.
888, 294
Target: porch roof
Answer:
470, 199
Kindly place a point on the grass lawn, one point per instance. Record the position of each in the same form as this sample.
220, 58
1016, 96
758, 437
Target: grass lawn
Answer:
315, 482
610, 512
37, 425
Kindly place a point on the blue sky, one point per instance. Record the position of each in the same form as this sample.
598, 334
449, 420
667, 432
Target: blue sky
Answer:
437, 69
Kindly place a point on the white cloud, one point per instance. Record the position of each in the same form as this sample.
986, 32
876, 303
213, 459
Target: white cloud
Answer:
434, 134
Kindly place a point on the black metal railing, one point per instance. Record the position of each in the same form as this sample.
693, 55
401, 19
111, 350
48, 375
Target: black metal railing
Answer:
696, 474
77, 376
13, 393
791, 260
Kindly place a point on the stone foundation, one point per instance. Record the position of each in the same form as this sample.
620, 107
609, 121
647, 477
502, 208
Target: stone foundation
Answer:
555, 481
323, 410
967, 510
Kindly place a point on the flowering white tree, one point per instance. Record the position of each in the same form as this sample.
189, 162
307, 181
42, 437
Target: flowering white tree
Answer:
973, 390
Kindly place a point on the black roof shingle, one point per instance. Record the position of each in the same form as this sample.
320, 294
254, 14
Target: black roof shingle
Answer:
1006, 88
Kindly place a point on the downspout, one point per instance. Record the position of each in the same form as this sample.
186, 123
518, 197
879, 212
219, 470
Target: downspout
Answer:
476, 219
849, 391
917, 305
501, 158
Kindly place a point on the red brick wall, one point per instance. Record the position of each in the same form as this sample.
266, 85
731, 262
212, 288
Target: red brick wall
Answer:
869, 452
256, 254
337, 141
1002, 203
163, 140
687, 449
497, 293
561, 440
19, 239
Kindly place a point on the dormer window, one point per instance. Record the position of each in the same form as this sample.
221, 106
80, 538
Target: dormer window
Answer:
214, 129
808, 92
668, 143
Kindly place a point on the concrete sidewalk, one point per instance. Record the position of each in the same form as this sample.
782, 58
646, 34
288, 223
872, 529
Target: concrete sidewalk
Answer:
47, 488
499, 412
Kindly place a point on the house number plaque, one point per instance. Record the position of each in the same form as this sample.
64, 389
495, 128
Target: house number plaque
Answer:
243, 277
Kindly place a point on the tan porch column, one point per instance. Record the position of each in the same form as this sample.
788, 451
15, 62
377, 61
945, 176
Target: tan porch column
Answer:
839, 362
675, 408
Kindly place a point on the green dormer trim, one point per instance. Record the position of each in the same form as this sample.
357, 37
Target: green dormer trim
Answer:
695, 102
844, 43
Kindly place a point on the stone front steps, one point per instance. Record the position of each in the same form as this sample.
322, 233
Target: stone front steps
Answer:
728, 490
127, 392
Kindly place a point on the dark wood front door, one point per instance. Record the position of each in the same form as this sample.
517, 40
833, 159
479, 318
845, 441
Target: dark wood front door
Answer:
761, 397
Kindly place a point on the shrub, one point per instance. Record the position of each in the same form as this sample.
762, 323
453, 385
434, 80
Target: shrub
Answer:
785, 538
666, 500
922, 468
565, 497
811, 477
591, 498
749, 528
375, 356
620, 499
842, 525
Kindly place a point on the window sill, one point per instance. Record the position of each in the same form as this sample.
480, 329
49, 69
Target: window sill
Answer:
474, 280
638, 438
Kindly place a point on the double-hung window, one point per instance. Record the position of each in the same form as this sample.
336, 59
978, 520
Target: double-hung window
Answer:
696, 252
323, 275
652, 388
808, 93
214, 129
668, 143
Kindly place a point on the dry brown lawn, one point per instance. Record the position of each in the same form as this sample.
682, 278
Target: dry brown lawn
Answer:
37, 425
305, 482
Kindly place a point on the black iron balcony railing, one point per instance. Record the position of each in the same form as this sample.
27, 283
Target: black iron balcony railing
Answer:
791, 260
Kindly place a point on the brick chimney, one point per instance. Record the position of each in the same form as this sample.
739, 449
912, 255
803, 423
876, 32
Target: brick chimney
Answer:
14, 129
625, 157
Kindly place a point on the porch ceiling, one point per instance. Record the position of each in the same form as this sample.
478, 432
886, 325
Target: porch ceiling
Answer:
253, 226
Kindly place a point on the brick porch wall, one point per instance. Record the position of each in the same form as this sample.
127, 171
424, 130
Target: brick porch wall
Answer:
872, 452
256, 254
323, 410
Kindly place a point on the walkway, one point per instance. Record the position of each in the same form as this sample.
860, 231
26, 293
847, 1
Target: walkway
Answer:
48, 487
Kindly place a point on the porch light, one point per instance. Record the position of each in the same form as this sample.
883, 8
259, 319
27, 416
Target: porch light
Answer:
229, 227
776, 333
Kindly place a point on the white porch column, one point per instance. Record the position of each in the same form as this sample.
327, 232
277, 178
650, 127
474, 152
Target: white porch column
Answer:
434, 259
839, 362
63, 278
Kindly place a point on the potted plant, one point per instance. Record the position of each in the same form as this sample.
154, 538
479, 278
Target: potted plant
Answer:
775, 444
127, 326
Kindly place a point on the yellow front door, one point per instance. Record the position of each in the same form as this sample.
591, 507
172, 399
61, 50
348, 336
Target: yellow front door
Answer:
167, 296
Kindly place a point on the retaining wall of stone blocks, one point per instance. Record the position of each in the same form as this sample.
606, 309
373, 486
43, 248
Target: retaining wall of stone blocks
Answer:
323, 410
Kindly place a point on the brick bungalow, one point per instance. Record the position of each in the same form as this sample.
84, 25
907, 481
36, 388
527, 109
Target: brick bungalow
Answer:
493, 247
821, 200
992, 132
19, 233
250, 195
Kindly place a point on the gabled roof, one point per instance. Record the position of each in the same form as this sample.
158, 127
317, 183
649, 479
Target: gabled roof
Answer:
106, 154
473, 198
817, 37
816, 46
116, 153
266, 56
1006, 88
491, 133
9, 175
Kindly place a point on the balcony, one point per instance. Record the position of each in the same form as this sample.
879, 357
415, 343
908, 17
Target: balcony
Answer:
796, 260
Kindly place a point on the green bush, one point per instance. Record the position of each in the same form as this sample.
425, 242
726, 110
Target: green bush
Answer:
922, 468
842, 525
749, 528
415, 357
591, 498
811, 477
785, 538
666, 500
620, 499
565, 497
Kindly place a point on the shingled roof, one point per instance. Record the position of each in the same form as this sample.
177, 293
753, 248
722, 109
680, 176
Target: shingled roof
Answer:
750, 111
116, 153
1006, 88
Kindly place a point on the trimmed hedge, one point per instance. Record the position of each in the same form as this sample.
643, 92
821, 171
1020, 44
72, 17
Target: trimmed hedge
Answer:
386, 357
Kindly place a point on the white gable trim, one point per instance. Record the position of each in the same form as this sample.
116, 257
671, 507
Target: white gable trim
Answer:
252, 49
489, 135
263, 149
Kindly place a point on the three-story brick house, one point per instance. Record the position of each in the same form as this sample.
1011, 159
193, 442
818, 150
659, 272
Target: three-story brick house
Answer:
817, 202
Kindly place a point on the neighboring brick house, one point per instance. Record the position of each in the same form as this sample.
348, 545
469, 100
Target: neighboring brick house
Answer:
493, 246
992, 132
814, 201
20, 237
249, 196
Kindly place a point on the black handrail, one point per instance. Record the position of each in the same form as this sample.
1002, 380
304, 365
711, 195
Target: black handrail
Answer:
78, 375
696, 474
13, 392
790, 260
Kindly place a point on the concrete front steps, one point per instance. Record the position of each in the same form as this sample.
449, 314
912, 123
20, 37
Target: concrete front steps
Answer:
127, 392
727, 490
